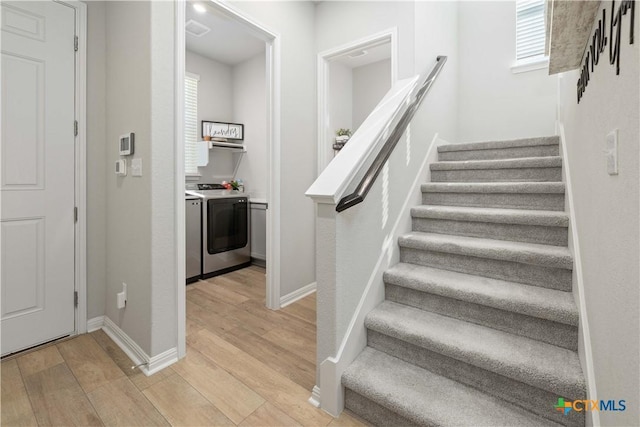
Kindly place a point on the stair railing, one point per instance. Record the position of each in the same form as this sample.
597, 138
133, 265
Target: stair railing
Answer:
398, 122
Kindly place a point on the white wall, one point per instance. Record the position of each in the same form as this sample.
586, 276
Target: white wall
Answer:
607, 215
215, 103
340, 22
97, 167
294, 22
250, 108
370, 84
493, 102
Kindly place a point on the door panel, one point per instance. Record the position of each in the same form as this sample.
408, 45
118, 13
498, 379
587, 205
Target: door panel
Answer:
37, 224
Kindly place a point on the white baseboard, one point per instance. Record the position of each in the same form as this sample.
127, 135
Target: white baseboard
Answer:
95, 323
574, 245
355, 339
315, 396
149, 365
297, 294
162, 360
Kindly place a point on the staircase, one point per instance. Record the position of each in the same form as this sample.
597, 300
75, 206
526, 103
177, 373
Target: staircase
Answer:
479, 326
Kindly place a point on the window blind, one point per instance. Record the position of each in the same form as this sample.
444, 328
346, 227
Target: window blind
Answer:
530, 32
191, 124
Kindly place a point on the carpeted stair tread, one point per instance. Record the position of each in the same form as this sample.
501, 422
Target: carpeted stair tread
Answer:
524, 162
545, 366
493, 145
494, 187
493, 215
426, 398
527, 253
543, 303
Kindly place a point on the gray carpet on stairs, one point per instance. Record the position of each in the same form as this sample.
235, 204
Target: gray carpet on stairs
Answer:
479, 326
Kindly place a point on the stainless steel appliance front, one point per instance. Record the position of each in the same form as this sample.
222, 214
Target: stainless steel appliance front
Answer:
225, 235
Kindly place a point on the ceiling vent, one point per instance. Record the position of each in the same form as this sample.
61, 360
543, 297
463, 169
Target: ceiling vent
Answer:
358, 54
196, 29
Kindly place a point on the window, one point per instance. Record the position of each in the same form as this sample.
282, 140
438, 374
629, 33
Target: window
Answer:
530, 31
191, 124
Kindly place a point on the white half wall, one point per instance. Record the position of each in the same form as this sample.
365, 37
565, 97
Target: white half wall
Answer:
371, 82
250, 108
607, 216
215, 103
493, 102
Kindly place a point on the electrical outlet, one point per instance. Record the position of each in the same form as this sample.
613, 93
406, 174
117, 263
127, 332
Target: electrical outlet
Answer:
612, 152
121, 297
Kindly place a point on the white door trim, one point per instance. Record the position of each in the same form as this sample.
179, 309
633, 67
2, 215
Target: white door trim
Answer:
324, 59
179, 226
272, 40
80, 164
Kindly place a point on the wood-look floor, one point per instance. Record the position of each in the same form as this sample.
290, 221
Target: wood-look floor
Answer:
245, 365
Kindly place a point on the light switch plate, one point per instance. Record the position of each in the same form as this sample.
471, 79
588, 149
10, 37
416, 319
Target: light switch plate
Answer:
136, 167
612, 152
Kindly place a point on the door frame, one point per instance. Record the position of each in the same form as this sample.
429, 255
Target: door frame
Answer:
80, 164
272, 58
324, 60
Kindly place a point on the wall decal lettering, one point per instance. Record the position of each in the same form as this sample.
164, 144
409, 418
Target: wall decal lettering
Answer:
599, 41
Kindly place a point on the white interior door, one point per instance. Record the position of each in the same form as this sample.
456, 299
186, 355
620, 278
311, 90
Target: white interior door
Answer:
37, 222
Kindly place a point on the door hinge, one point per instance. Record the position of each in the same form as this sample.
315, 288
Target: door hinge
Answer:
75, 214
75, 128
75, 298
75, 43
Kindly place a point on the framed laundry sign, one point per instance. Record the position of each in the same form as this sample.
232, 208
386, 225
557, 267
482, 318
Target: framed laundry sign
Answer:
230, 131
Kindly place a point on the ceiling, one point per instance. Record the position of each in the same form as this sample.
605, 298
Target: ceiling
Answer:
374, 54
227, 42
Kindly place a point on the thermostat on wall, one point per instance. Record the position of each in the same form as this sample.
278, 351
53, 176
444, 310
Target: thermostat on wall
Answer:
126, 144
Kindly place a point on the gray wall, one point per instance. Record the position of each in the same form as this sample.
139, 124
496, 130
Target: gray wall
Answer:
294, 22
607, 216
371, 83
129, 198
140, 211
96, 165
250, 108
